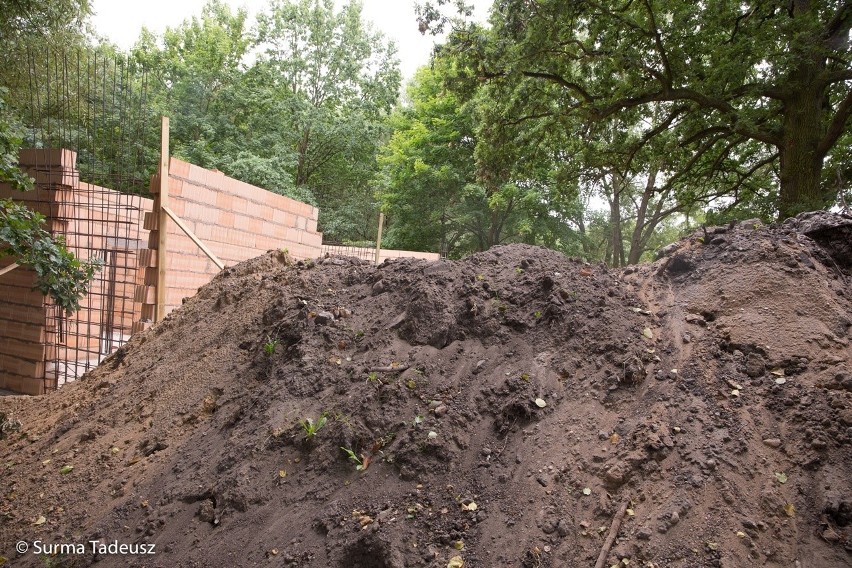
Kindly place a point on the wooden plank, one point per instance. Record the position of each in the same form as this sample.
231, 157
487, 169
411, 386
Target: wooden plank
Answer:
9, 268
379, 237
192, 236
162, 236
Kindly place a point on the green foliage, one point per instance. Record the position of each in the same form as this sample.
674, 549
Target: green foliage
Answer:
733, 99
353, 457
29, 29
59, 274
270, 345
303, 120
311, 428
442, 191
10, 142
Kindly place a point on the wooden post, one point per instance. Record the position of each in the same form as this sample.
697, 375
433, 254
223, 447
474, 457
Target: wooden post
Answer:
162, 219
9, 268
379, 237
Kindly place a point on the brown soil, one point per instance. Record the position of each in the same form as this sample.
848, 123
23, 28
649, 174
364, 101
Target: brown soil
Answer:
727, 432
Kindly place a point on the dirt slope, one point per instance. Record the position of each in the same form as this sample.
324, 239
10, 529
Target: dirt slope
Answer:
505, 407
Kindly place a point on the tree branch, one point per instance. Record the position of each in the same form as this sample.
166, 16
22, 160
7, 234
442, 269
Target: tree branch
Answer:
559, 80
658, 40
837, 126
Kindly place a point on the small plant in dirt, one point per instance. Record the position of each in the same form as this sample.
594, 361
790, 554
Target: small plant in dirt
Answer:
270, 345
519, 270
373, 377
311, 428
418, 420
353, 457
537, 314
480, 277
359, 335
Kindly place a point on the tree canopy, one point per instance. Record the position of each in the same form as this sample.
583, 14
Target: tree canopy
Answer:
296, 104
747, 96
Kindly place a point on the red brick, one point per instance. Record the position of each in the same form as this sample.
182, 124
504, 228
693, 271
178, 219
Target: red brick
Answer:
241, 205
242, 222
178, 167
48, 157
146, 295
226, 218
23, 349
175, 187
22, 331
311, 239
224, 201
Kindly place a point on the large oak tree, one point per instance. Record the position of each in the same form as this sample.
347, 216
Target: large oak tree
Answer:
756, 84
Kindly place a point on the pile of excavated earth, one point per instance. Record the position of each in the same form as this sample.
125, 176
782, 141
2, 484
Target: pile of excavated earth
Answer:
514, 408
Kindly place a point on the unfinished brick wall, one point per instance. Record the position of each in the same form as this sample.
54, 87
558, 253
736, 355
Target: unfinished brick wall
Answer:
39, 345
236, 220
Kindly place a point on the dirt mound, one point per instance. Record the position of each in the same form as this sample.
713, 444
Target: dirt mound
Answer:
502, 410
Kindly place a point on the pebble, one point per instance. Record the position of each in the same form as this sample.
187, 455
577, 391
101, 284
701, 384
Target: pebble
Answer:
324, 318
773, 442
755, 366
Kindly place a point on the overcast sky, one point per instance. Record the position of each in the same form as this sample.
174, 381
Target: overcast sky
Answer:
121, 21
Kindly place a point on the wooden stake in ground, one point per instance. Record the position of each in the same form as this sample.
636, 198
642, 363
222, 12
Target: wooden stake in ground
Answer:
162, 219
613, 533
379, 237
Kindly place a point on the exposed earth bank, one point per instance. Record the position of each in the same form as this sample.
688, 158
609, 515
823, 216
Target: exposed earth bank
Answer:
515, 408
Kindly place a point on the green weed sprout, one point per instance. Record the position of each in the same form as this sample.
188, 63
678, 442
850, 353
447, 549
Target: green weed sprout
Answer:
359, 465
311, 428
270, 345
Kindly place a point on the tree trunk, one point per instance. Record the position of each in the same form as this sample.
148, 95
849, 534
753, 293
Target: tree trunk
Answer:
615, 221
640, 231
806, 110
302, 165
801, 164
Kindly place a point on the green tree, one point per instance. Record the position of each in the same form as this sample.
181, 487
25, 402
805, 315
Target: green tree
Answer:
30, 29
427, 168
197, 72
337, 80
745, 89
304, 119
445, 191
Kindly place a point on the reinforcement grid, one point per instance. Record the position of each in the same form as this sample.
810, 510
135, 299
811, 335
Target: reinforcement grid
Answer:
95, 107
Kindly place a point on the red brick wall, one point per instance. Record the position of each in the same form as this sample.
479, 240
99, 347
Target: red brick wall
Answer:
94, 220
235, 220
